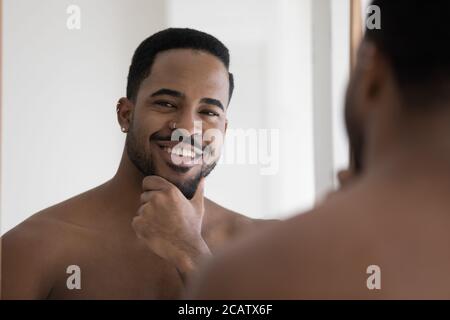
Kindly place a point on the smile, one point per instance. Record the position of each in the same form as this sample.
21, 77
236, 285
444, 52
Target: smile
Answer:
182, 152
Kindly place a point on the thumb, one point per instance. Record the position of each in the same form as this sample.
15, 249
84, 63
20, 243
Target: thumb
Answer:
197, 199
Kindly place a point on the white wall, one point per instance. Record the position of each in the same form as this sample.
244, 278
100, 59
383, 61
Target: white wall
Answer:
340, 35
60, 134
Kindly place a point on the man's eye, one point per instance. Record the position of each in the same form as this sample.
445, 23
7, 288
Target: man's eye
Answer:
210, 113
165, 104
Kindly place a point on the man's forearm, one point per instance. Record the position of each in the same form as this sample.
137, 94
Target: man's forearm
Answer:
188, 260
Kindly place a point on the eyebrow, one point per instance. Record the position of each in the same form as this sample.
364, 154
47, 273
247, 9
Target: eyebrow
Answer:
168, 92
213, 102
178, 94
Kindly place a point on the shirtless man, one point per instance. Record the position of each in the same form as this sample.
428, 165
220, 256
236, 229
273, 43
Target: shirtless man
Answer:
395, 214
141, 233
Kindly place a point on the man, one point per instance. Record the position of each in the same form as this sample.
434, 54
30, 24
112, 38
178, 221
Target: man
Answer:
386, 234
142, 233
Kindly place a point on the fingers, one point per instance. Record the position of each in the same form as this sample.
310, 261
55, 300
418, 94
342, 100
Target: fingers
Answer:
152, 185
155, 183
146, 196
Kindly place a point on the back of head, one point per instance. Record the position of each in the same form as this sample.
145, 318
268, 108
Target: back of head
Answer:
415, 38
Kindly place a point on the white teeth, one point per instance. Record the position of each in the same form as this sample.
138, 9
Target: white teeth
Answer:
198, 152
182, 152
187, 153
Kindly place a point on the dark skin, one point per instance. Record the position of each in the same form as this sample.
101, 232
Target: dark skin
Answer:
134, 237
393, 214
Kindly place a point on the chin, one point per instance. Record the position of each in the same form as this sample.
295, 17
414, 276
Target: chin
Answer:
177, 174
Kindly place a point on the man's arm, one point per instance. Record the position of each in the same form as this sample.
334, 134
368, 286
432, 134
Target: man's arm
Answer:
225, 277
170, 224
188, 261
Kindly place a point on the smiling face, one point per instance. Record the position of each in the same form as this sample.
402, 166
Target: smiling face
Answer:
186, 90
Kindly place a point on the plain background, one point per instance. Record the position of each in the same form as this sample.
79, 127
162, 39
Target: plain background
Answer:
60, 136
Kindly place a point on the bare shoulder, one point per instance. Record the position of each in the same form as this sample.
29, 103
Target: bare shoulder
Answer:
236, 272
236, 223
33, 250
284, 261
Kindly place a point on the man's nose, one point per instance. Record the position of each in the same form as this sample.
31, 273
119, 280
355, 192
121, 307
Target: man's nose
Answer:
188, 121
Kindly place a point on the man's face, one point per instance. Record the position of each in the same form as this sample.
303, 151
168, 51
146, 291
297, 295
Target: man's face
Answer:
186, 90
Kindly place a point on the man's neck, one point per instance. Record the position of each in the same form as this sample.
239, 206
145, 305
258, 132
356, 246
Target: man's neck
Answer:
125, 187
421, 145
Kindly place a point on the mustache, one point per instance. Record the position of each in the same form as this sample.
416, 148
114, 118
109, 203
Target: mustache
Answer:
195, 140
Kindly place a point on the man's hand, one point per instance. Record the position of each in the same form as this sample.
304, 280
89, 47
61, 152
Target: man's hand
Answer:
170, 224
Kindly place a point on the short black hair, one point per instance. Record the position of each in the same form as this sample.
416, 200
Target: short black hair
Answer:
173, 38
415, 39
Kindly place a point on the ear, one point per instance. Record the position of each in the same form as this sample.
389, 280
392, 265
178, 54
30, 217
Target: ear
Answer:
124, 113
226, 125
374, 74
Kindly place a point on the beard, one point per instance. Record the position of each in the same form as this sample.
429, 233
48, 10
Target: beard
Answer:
142, 160
354, 129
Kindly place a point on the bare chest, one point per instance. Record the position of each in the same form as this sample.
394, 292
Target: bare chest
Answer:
115, 271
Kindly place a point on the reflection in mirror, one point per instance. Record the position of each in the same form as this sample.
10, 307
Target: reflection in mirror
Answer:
90, 106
